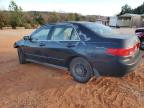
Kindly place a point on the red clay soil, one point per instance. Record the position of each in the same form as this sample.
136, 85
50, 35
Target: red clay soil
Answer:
36, 86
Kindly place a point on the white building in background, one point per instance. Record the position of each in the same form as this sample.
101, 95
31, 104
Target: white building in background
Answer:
113, 21
130, 20
126, 20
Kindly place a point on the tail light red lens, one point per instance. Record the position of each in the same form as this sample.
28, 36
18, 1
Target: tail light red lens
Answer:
123, 52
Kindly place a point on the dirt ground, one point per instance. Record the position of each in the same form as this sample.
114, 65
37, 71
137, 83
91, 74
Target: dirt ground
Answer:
37, 86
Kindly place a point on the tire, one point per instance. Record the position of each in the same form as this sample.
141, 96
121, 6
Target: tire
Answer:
81, 70
21, 56
142, 44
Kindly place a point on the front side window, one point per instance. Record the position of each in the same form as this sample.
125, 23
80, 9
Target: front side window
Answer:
64, 33
41, 34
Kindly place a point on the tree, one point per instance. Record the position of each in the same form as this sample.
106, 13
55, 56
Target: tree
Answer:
91, 18
16, 15
78, 17
38, 19
4, 19
71, 17
125, 9
139, 9
54, 17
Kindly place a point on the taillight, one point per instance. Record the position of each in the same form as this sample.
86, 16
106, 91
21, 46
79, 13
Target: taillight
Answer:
123, 52
138, 45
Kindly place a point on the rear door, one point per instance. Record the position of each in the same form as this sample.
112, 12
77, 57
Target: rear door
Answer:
62, 45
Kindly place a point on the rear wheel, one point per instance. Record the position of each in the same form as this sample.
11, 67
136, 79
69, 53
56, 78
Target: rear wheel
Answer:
21, 56
81, 70
142, 44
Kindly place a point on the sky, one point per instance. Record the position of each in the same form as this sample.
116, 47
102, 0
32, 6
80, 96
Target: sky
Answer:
84, 7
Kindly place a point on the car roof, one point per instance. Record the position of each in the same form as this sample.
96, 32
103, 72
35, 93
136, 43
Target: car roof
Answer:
67, 23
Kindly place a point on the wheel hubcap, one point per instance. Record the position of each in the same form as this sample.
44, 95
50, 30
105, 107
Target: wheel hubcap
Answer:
142, 44
80, 70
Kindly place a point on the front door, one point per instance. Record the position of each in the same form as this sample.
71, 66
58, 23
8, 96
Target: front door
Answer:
34, 46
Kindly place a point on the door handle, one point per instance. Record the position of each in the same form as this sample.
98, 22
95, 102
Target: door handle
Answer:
71, 45
42, 44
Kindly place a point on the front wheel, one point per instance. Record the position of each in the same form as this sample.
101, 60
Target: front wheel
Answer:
21, 56
81, 70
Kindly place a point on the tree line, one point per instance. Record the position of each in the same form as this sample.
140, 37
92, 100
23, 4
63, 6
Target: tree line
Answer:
127, 9
16, 17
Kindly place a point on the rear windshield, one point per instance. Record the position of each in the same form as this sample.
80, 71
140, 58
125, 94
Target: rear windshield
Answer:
100, 29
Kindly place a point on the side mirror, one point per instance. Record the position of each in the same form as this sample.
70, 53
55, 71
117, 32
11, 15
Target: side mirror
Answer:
26, 37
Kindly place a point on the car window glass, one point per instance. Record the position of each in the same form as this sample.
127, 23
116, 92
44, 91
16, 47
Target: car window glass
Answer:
67, 33
100, 29
41, 34
74, 35
62, 33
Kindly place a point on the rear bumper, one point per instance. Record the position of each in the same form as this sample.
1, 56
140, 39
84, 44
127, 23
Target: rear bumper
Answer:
117, 68
130, 67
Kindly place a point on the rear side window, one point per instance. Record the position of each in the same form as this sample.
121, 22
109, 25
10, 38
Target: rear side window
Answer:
74, 35
41, 34
64, 33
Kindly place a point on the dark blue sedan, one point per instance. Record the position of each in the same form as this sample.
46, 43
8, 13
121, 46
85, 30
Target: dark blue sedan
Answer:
84, 48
